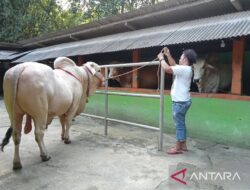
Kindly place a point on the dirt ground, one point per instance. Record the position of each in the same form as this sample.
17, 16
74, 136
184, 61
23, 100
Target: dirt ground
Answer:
126, 159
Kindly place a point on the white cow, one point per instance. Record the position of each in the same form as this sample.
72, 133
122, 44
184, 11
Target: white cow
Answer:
212, 78
41, 93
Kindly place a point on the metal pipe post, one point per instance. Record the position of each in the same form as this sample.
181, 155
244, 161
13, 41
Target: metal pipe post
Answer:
160, 146
106, 102
130, 64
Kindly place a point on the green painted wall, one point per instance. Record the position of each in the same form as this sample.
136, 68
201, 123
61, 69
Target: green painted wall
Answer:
218, 120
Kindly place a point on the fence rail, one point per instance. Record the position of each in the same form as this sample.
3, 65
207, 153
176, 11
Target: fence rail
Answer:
130, 64
129, 94
107, 93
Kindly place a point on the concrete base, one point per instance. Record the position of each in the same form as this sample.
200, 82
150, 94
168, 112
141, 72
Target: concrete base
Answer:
126, 159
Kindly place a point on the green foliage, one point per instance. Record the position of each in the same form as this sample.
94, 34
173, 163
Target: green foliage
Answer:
24, 19
98, 9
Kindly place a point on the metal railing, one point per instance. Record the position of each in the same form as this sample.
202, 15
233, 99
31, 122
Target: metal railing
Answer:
160, 96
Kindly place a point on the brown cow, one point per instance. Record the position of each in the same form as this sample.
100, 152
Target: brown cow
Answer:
148, 77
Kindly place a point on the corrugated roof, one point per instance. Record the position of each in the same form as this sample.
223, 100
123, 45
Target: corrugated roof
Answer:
168, 12
4, 54
7, 55
17, 55
213, 28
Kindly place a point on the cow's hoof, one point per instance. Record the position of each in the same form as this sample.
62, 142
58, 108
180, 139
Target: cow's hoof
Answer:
17, 166
45, 158
62, 138
67, 141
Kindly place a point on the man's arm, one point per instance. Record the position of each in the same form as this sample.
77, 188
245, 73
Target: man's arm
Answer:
164, 64
169, 56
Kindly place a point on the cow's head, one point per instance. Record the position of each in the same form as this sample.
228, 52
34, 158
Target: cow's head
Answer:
96, 77
198, 70
201, 70
113, 71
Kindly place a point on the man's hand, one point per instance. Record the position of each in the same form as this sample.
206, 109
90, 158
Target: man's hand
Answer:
160, 56
163, 63
166, 51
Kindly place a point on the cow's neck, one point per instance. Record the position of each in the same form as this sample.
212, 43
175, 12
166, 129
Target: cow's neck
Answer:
88, 80
71, 74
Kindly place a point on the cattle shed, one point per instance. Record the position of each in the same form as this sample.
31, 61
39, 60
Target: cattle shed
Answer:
8, 53
209, 27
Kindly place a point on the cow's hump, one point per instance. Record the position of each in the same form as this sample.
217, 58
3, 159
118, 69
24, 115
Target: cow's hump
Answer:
62, 62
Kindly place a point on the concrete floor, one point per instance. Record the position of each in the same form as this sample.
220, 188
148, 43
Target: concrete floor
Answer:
126, 159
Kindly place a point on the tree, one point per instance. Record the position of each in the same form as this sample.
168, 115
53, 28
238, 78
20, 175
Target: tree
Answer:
24, 19
98, 9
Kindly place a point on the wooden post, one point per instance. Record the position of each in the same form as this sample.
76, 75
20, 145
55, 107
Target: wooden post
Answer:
136, 58
80, 60
237, 65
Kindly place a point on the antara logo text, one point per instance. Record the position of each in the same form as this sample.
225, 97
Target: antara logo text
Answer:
205, 176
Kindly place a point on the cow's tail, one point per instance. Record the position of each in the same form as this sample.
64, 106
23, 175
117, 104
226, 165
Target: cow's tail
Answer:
10, 85
6, 138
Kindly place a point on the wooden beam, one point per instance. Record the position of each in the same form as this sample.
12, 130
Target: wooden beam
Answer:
129, 26
237, 65
136, 58
73, 37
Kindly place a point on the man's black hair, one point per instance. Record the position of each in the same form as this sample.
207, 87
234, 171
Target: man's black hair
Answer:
191, 55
